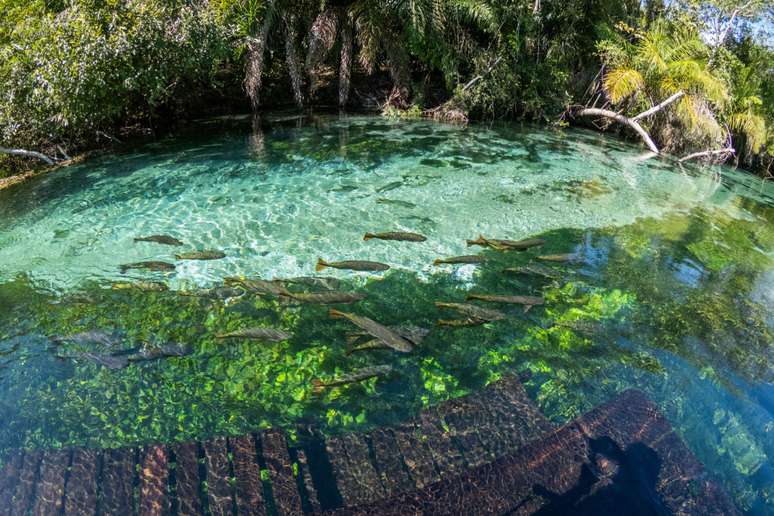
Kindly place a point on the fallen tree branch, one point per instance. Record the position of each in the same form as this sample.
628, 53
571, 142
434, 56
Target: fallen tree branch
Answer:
27, 154
717, 152
659, 107
633, 122
630, 122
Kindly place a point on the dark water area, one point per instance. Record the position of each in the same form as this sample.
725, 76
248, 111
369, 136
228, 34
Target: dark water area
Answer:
668, 288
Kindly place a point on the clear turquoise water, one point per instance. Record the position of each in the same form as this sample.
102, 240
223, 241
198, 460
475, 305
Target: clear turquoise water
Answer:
675, 284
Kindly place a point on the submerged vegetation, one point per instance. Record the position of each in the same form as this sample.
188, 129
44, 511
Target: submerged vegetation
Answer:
83, 73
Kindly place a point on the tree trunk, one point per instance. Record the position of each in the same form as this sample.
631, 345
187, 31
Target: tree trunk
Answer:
291, 59
255, 51
345, 64
27, 154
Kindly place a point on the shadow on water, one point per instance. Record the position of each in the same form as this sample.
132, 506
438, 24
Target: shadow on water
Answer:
612, 482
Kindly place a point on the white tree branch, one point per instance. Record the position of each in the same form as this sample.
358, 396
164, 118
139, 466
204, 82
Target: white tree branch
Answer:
659, 107
623, 120
717, 152
27, 154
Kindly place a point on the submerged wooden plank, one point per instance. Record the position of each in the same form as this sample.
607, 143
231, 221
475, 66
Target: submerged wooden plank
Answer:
249, 488
416, 455
117, 483
342, 472
446, 455
187, 481
311, 492
283, 483
389, 462
49, 495
154, 481
612, 459
9, 477
81, 488
25, 487
218, 489
464, 417
363, 471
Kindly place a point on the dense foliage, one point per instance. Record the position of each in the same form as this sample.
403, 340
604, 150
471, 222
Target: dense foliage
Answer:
80, 72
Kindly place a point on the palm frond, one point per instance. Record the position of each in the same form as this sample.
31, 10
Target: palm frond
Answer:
752, 126
322, 36
621, 83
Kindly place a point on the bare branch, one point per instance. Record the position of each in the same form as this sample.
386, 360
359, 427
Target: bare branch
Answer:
703, 154
659, 107
630, 122
27, 154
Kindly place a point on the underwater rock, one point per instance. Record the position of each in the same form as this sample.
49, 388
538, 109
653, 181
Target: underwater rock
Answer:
155, 266
265, 334
160, 239
201, 255
376, 330
356, 376
354, 265
396, 235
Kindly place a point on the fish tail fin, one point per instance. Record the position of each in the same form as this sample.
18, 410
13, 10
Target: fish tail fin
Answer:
123, 269
317, 386
336, 314
368, 236
138, 239
438, 262
320, 265
178, 257
527, 308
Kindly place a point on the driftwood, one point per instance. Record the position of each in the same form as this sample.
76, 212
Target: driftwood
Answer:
633, 122
27, 154
707, 153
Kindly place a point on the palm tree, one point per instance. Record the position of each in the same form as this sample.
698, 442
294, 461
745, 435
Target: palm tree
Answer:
659, 64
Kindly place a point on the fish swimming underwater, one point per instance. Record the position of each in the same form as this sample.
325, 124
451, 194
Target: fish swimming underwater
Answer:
154, 352
160, 239
314, 282
201, 255
506, 245
471, 258
327, 298
376, 330
358, 375
265, 334
144, 286
108, 339
396, 235
109, 361
516, 300
154, 266
259, 286
473, 311
219, 293
560, 258
413, 334
353, 265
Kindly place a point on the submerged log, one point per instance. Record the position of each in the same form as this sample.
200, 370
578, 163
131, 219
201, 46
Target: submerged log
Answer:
708, 153
81, 492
